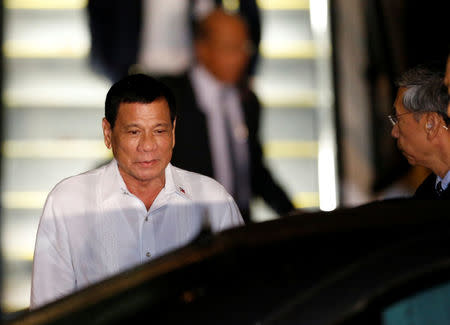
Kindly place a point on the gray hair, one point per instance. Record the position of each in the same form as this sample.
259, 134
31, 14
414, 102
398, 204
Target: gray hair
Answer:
425, 92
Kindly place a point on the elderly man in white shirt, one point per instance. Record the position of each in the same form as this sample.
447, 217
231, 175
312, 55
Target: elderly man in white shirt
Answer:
131, 210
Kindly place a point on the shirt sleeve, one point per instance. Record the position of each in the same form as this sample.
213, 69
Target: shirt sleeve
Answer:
53, 275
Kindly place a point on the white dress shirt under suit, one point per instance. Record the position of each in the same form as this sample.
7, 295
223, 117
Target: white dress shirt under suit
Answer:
92, 227
444, 181
221, 105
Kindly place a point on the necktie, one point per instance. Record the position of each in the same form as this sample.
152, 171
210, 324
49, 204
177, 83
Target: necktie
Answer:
238, 149
439, 189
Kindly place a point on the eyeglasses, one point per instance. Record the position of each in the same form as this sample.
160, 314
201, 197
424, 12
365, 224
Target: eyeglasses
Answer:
393, 118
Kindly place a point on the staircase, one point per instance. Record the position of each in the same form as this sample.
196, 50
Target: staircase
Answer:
295, 86
53, 106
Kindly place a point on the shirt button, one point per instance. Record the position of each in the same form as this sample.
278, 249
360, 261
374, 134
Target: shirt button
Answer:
146, 218
148, 254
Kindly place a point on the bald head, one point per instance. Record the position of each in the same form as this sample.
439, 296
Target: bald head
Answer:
222, 45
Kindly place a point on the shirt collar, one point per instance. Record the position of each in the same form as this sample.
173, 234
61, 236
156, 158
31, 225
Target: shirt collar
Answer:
176, 183
444, 181
112, 182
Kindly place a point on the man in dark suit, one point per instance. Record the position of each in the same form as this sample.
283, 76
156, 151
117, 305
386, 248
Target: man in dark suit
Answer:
118, 31
217, 133
420, 125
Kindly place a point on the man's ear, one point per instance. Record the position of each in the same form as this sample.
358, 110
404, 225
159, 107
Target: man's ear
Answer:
433, 123
173, 132
107, 132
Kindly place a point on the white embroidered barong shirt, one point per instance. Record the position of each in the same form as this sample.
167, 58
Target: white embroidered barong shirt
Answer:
92, 227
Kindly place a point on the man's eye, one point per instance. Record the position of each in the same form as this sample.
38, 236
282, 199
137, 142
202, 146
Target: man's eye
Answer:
160, 131
133, 132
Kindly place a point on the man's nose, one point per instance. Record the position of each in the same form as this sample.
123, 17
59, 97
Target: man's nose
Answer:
147, 142
394, 131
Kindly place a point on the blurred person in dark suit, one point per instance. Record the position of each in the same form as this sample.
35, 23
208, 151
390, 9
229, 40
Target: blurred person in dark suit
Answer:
420, 125
220, 116
153, 36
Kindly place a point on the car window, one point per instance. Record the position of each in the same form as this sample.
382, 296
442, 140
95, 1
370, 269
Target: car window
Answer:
430, 307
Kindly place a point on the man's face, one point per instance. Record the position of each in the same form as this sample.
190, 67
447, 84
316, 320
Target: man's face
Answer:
410, 133
225, 51
142, 141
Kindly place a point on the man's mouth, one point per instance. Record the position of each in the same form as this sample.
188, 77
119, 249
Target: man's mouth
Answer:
404, 153
407, 156
147, 163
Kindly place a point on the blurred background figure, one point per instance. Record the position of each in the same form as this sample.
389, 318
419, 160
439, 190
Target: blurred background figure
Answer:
134, 35
219, 116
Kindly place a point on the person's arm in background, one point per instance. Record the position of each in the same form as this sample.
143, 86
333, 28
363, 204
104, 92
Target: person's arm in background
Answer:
263, 183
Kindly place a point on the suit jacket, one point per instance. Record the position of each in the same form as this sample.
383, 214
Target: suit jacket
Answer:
115, 30
426, 190
192, 151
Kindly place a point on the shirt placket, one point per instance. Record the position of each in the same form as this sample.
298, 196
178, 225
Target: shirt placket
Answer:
149, 234
148, 243
145, 228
